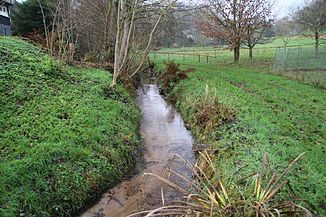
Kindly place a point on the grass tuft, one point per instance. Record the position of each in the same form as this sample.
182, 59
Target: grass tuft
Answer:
251, 196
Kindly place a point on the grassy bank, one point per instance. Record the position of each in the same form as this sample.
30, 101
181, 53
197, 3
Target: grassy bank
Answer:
65, 136
274, 115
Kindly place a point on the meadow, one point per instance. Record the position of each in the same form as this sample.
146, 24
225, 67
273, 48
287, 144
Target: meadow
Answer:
63, 138
264, 56
274, 115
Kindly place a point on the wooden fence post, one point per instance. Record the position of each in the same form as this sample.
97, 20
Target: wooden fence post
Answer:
298, 63
206, 59
198, 57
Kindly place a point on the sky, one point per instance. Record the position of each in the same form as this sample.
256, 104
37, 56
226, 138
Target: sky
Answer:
281, 8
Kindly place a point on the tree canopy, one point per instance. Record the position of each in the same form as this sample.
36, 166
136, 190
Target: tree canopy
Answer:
311, 18
27, 16
234, 21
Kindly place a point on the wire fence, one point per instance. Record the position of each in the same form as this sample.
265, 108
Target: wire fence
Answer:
298, 59
209, 55
302, 63
186, 57
297, 62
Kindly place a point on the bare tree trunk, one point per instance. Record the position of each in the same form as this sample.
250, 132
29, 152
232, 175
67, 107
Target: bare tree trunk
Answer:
121, 51
236, 52
150, 40
46, 31
125, 34
316, 43
107, 49
131, 26
116, 49
250, 52
59, 34
127, 17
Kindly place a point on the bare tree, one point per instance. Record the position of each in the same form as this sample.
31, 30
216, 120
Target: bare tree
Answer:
284, 28
59, 34
97, 27
231, 20
285, 39
311, 18
260, 19
107, 28
128, 12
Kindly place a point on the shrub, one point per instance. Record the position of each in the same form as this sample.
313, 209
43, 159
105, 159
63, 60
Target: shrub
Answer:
173, 75
91, 57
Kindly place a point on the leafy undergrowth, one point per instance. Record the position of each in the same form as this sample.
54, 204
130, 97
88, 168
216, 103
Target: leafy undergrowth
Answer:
172, 76
274, 115
65, 135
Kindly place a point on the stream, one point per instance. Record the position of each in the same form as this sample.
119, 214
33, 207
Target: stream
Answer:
164, 136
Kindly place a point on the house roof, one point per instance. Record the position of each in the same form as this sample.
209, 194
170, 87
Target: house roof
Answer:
7, 2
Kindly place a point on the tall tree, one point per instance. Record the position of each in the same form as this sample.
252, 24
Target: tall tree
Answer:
233, 21
128, 12
112, 30
260, 20
27, 16
312, 18
177, 27
256, 37
284, 28
97, 27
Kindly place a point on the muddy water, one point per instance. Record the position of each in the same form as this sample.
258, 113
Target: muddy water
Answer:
164, 136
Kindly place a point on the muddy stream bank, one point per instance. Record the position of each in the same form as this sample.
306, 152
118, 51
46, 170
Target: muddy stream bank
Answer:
164, 136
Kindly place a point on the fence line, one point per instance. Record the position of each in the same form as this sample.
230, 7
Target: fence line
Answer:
298, 59
212, 56
222, 48
299, 63
196, 57
201, 57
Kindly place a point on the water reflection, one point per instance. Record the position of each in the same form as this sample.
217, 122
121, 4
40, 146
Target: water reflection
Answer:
164, 136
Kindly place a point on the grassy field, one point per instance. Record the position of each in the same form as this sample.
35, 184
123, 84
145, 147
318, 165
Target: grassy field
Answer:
264, 56
63, 139
274, 115
273, 42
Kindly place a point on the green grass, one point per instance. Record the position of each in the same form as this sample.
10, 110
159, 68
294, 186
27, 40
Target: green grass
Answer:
63, 138
273, 42
262, 57
275, 115
296, 40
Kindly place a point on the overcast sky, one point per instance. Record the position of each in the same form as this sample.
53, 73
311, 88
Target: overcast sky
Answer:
281, 9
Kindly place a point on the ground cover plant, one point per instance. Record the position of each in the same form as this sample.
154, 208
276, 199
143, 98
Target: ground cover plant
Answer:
273, 115
63, 138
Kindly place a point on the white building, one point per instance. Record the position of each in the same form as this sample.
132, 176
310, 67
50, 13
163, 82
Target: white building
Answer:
5, 10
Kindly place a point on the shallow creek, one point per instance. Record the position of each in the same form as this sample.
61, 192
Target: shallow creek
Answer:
164, 136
